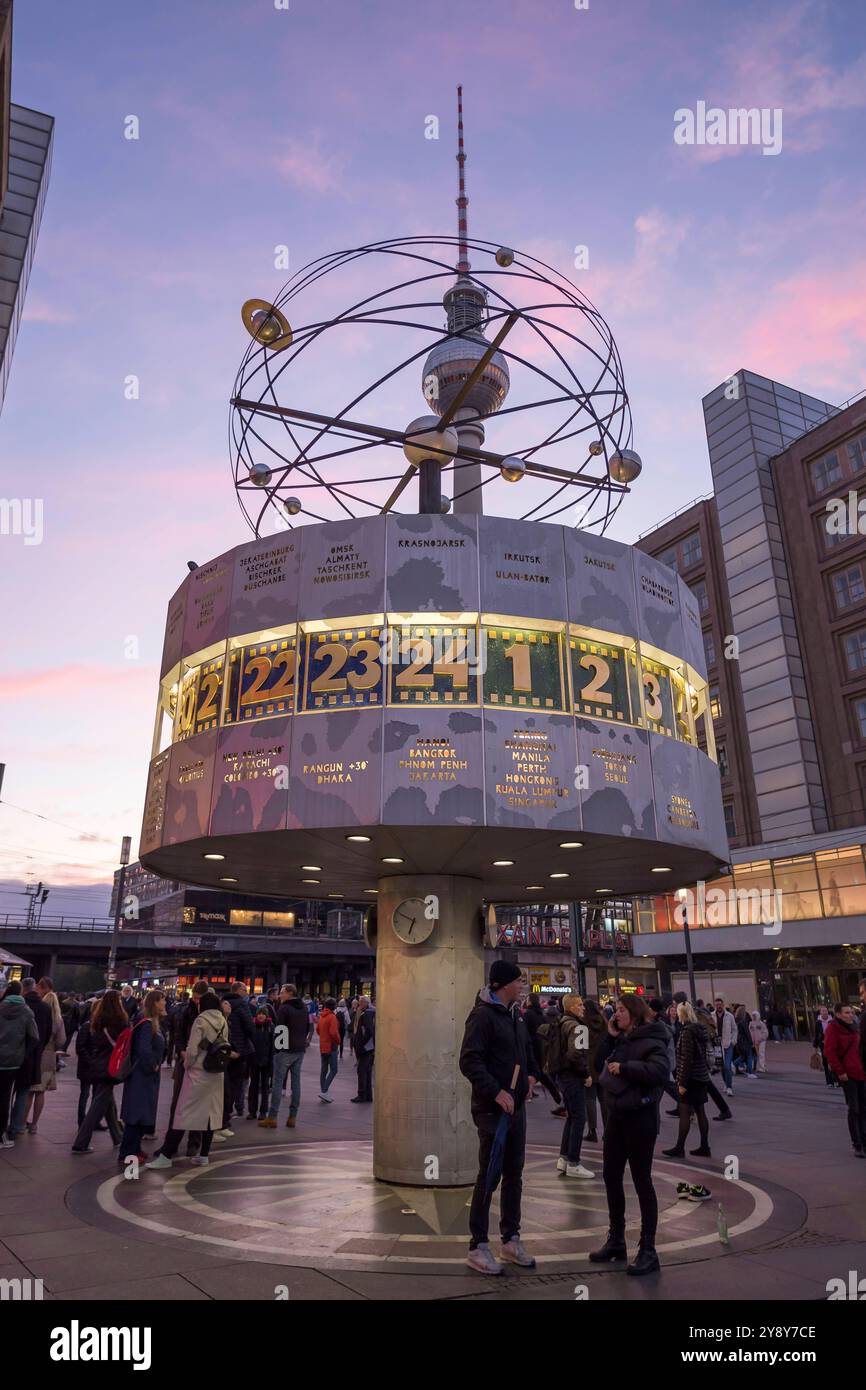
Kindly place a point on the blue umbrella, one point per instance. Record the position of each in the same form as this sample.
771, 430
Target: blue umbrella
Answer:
497, 1148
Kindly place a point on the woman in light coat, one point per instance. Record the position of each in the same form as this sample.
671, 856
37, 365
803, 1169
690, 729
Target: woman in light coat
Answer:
760, 1033
200, 1103
56, 1042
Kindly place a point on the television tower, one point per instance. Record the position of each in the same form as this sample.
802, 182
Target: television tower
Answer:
453, 360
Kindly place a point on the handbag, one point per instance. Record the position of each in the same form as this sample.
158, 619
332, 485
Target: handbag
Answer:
815, 1062
613, 1083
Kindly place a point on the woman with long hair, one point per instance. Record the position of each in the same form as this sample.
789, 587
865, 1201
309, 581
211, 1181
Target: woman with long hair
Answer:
48, 1063
693, 1075
141, 1088
200, 1103
634, 1062
108, 1018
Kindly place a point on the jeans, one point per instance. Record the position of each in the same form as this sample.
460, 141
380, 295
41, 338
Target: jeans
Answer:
787, 1034
727, 1068
83, 1097
328, 1070
365, 1075
19, 1110
631, 1139
512, 1177
574, 1094
286, 1062
102, 1107
855, 1099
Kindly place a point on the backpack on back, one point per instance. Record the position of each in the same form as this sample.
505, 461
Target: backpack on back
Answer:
120, 1061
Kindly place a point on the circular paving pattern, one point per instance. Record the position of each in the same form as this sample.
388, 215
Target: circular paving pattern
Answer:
317, 1204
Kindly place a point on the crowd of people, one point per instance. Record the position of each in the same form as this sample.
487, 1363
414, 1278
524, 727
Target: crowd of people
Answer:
617, 1062
230, 1057
605, 1068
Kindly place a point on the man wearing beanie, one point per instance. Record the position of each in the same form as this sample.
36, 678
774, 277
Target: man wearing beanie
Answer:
495, 1041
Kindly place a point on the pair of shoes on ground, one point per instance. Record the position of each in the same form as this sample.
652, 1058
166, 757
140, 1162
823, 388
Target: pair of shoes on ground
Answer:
572, 1170
645, 1262
267, 1123
512, 1252
323, 1095
693, 1192
677, 1152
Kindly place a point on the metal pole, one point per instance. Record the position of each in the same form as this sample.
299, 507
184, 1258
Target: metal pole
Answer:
615, 957
575, 927
430, 488
112, 954
689, 963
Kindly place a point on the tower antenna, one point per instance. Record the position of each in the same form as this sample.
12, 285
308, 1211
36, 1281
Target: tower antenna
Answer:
463, 266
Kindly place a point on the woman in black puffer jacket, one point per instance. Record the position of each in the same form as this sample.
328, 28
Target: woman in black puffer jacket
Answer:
635, 1065
693, 1077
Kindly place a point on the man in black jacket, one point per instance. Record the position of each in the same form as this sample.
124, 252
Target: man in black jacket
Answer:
242, 1037
495, 1046
30, 1072
291, 1040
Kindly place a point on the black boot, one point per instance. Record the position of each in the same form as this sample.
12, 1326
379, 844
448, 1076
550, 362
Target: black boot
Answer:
647, 1261
676, 1152
592, 1136
613, 1249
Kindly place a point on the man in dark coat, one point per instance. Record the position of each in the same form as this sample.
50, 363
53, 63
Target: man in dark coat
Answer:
30, 1071
495, 1046
242, 1037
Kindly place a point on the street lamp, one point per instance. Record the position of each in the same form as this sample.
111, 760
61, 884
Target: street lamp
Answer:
683, 894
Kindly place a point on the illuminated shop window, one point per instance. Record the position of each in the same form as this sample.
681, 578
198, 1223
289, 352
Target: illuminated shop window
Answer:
842, 877
240, 917
715, 702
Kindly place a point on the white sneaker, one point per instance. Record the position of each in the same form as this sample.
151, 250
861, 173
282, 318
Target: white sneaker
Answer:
728, 1091
328, 1099
219, 1138
199, 1162
514, 1253
577, 1170
561, 1164
226, 1133
160, 1162
483, 1259
7, 1143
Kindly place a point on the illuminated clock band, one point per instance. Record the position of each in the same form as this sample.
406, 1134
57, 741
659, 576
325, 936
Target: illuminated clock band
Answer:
482, 660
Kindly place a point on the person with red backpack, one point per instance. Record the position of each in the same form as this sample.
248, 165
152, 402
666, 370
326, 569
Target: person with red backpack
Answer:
141, 1087
108, 1019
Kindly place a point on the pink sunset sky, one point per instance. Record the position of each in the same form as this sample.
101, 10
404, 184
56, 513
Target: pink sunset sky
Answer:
305, 127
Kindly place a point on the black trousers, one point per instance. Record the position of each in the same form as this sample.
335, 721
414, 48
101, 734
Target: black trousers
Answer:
365, 1075
7, 1084
259, 1097
233, 1088
512, 1177
855, 1099
171, 1143
102, 1107
631, 1139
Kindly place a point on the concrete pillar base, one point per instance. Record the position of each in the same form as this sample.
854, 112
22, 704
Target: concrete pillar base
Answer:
423, 1132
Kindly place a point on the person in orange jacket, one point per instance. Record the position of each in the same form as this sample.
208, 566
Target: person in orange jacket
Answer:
328, 1029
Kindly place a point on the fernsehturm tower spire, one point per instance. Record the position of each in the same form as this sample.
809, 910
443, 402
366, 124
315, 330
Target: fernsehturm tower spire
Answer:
454, 359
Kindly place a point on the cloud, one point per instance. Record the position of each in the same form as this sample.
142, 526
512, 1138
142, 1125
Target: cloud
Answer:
305, 164
72, 680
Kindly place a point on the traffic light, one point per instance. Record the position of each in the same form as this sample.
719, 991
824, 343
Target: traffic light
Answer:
45, 892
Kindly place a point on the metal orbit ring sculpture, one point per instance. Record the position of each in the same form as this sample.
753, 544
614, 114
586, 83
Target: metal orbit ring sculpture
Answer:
513, 328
